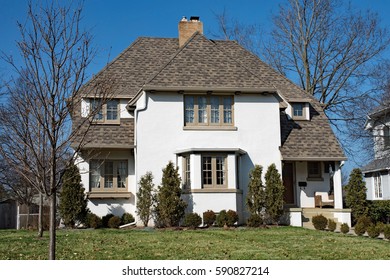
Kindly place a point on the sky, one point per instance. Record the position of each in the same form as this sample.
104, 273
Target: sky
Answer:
115, 24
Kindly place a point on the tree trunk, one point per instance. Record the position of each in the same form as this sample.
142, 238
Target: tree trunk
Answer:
53, 224
40, 216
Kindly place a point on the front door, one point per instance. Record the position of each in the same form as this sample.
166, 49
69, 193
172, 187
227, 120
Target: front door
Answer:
288, 182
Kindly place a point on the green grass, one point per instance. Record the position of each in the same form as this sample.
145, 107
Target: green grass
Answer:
277, 243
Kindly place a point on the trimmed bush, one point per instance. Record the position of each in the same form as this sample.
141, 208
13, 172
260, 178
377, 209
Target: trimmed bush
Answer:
379, 211
319, 222
254, 221
114, 222
332, 225
192, 220
386, 232
127, 218
373, 231
105, 220
209, 218
93, 221
362, 224
344, 228
221, 218
232, 217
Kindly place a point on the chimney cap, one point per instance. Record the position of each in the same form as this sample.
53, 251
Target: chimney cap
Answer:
194, 18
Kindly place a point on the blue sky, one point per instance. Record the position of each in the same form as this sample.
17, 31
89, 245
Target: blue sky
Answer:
117, 23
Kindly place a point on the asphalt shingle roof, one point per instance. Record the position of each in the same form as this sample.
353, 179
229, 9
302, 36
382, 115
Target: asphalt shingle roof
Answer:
203, 63
377, 165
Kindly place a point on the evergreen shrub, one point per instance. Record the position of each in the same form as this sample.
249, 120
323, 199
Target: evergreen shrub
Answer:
332, 225
362, 224
319, 222
192, 220
105, 220
93, 221
114, 222
386, 232
232, 217
221, 218
373, 231
127, 218
344, 228
254, 220
209, 217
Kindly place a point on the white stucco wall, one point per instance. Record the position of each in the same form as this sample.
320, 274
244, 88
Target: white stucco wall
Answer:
102, 207
160, 133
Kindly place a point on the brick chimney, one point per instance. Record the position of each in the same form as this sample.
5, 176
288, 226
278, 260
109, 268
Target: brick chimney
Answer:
187, 28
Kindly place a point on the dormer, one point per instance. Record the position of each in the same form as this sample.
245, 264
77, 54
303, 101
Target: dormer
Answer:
299, 110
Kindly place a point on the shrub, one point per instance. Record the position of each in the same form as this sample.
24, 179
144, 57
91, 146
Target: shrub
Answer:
355, 197
192, 220
232, 218
127, 218
379, 211
73, 202
332, 225
254, 221
93, 221
169, 206
319, 222
386, 232
145, 198
274, 191
373, 231
362, 224
221, 218
344, 228
105, 220
381, 226
209, 218
114, 222
255, 199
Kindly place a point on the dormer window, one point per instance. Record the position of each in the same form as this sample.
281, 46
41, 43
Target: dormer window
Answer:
105, 113
300, 111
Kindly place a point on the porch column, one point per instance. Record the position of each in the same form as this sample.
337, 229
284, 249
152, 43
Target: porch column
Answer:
337, 187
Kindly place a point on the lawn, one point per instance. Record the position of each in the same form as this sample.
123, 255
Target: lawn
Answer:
277, 243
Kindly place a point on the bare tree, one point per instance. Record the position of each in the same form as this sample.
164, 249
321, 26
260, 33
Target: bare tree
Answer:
36, 122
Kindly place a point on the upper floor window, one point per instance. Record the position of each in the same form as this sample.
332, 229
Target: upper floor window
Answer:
377, 185
386, 136
108, 175
208, 110
105, 113
299, 111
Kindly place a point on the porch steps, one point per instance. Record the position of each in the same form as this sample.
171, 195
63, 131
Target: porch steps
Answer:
309, 213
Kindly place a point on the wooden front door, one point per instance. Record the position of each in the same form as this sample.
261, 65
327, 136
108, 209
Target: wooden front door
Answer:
288, 182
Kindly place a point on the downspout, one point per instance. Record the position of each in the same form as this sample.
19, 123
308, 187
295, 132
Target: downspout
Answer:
141, 105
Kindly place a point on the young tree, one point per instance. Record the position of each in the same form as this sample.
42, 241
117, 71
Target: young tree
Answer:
36, 121
73, 202
169, 206
355, 197
255, 199
274, 191
145, 198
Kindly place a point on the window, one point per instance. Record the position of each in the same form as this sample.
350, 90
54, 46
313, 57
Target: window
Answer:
214, 171
105, 113
208, 110
314, 170
186, 172
298, 111
386, 135
377, 185
108, 175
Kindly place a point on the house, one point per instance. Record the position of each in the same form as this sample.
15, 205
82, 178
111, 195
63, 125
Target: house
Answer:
377, 172
215, 110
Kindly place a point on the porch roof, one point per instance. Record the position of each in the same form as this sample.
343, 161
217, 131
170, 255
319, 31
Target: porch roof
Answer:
377, 165
211, 150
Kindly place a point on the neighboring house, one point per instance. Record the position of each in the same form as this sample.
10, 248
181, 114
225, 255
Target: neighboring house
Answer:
377, 172
215, 110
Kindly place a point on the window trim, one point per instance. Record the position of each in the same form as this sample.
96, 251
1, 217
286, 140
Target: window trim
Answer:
102, 169
214, 184
386, 137
221, 108
186, 172
104, 112
304, 115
